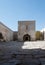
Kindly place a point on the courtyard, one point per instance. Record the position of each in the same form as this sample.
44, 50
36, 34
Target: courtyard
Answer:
29, 53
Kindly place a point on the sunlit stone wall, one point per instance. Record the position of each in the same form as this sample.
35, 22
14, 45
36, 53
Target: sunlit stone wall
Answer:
26, 27
44, 35
6, 32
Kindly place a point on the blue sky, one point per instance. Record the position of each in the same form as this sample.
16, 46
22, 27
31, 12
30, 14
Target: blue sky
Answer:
13, 10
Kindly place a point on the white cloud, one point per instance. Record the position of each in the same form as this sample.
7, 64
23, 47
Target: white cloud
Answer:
42, 30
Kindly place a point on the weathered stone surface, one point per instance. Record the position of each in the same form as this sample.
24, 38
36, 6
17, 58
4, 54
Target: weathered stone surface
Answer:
6, 32
26, 27
11, 52
42, 61
30, 62
44, 35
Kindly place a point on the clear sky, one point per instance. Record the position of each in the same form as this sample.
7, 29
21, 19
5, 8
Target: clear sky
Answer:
13, 10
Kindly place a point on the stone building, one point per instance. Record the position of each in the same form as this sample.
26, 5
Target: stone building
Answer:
6, 32
26, 30
44, 35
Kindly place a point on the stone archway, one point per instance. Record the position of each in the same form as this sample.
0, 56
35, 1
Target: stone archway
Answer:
1, 36
26, 37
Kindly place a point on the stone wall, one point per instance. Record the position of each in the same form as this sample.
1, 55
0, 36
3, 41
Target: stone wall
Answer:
26, 27
44, 35
6, 32
15, 35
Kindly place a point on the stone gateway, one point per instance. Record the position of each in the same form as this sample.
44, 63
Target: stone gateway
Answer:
26, 30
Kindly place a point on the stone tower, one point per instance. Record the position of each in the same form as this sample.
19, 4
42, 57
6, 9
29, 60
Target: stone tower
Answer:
26, 30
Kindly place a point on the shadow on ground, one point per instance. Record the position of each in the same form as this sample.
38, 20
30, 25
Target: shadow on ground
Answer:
11, 53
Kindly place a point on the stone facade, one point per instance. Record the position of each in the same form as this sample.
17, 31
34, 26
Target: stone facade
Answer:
26, 30
44, 35
6, 32
15, 35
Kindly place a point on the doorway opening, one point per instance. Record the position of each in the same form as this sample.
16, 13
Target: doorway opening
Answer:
26, 37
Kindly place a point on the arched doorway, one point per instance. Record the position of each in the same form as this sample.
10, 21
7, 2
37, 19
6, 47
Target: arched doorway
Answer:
1, 36
26, 37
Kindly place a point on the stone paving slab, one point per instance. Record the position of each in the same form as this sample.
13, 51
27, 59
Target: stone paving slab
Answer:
12, 52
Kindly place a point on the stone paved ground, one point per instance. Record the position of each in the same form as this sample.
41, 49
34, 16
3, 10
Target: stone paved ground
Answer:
22, 53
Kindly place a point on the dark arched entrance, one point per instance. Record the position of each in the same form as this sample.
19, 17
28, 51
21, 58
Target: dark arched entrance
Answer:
26, 37
1, 36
